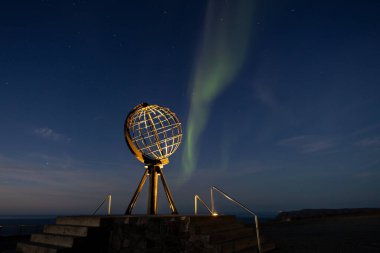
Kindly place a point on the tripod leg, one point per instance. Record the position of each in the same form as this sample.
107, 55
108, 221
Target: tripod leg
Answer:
153, 190
137, 192
168, 194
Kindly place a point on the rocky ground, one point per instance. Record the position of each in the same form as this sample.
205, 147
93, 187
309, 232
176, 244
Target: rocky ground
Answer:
325, 235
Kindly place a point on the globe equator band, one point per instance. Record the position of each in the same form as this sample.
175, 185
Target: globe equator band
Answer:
148, 136
162, 142
141, 138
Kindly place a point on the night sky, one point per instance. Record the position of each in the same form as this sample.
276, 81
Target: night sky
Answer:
279, 102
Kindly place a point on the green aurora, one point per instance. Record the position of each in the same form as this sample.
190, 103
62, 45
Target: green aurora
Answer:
222, 51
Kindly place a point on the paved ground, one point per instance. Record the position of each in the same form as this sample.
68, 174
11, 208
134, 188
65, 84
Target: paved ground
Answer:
335, 235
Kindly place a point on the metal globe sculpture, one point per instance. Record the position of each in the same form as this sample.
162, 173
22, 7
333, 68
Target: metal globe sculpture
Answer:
152, 133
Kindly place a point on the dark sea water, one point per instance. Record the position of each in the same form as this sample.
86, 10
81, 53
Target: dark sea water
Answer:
23, 224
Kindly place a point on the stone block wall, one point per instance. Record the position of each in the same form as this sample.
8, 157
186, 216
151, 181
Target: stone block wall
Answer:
155, 234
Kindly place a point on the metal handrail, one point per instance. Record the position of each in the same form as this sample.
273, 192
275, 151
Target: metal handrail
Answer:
196, 198
214, 213
239, 204
109, 197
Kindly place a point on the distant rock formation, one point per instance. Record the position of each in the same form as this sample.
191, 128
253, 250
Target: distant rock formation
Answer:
326, 213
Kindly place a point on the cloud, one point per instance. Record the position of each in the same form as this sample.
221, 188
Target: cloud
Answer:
307, 143
365, 130
369, 142
50, 134
65, 185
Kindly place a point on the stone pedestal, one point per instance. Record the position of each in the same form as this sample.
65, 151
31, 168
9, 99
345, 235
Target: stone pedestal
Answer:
153, 234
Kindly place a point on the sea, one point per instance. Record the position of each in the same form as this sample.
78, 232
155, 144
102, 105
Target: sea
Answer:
24, 224
249, 219
27, 224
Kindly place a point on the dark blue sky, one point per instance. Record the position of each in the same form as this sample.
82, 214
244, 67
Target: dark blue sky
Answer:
294, 121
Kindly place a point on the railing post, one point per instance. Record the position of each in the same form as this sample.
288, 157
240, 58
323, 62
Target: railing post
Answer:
109, 204
196, 199
212, 200
109, 198
195, 205
258, 234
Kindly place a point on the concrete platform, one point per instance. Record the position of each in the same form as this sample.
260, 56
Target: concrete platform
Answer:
145, 233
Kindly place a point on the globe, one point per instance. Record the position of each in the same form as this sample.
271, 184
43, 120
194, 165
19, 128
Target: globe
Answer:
153, 133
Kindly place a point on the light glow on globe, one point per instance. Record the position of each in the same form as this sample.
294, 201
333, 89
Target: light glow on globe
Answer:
154, 130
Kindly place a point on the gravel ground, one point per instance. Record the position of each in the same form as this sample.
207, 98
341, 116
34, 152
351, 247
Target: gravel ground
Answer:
335, 235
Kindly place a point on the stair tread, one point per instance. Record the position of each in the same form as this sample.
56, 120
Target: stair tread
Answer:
79, 231
53, 239
64, 225
87, 221
42, 245
39, 245
59, 235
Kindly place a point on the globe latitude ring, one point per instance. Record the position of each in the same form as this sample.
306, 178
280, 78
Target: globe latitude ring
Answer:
152, 133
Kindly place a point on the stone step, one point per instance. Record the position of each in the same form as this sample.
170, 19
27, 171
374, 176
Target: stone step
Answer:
85, 221
233, 234
265, 247
236, 245
55, 240
31, 247
66, 230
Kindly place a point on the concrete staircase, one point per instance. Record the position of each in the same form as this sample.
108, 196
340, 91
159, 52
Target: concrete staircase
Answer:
69, 234
225, 234
110, 234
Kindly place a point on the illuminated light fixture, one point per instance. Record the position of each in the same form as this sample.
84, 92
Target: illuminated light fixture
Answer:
153, 133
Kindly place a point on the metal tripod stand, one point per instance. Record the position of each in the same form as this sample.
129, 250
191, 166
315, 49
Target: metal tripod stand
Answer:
153, 172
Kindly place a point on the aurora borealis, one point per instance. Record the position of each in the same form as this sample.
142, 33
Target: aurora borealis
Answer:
222, 51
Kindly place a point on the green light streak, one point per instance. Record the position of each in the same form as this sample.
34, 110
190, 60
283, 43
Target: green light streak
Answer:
220, 57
